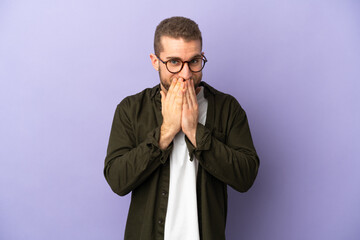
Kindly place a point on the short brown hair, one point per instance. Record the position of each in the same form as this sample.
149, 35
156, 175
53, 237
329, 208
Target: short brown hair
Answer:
176, 27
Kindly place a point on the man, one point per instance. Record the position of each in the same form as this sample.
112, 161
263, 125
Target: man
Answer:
178, 145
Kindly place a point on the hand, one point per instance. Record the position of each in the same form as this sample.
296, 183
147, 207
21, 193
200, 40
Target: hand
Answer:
190, 112
171, 103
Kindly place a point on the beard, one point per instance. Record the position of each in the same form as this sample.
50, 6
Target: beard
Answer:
166, 83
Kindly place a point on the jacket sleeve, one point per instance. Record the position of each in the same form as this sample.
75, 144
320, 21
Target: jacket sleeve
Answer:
230, 156
127, 165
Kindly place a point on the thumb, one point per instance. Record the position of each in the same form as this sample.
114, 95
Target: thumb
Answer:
162, 97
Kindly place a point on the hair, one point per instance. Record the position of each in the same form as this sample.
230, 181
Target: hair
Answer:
176, 27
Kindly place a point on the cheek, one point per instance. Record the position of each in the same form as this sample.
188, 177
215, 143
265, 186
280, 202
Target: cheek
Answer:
166, 76
162, 73
198, 76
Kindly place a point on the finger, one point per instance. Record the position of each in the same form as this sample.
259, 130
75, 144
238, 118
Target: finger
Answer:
178, 85
188, 98
174, 91
162, 97
178, 102
185, 101
177, 91
182, 84
192, 85
192, 94
172, 85
177, 96
182, 88
186, 86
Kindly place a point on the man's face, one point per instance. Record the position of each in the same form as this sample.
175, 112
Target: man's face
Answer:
180, 49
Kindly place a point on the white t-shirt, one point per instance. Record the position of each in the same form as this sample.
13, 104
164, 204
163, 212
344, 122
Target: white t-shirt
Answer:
181, 222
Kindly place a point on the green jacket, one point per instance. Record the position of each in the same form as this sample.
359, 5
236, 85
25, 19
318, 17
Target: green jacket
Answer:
135, 163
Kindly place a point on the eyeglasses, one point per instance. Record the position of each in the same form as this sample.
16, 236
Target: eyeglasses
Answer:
175, 65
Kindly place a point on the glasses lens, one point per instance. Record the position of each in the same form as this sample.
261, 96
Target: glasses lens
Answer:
174, 65
197, 64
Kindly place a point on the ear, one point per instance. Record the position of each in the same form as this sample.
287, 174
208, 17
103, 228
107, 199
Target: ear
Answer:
202, 53
154, 61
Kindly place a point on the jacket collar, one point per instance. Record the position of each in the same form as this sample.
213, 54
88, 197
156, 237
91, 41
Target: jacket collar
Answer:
155, 90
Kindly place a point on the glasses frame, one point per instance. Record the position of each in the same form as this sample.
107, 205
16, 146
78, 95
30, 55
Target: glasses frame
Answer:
183, 63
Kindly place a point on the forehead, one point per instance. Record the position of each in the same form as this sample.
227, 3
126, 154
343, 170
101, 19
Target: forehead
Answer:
178, 47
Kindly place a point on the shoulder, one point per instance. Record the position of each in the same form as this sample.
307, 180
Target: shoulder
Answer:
139, 98
221, 99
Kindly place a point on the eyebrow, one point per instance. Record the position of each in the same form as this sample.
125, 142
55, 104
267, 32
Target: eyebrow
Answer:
195, 56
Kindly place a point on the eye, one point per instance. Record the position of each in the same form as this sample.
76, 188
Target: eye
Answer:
195, 61
174, 62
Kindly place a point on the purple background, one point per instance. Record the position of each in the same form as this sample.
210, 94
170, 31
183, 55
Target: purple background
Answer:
293, 65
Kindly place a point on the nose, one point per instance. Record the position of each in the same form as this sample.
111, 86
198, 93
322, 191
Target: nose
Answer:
185, 72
